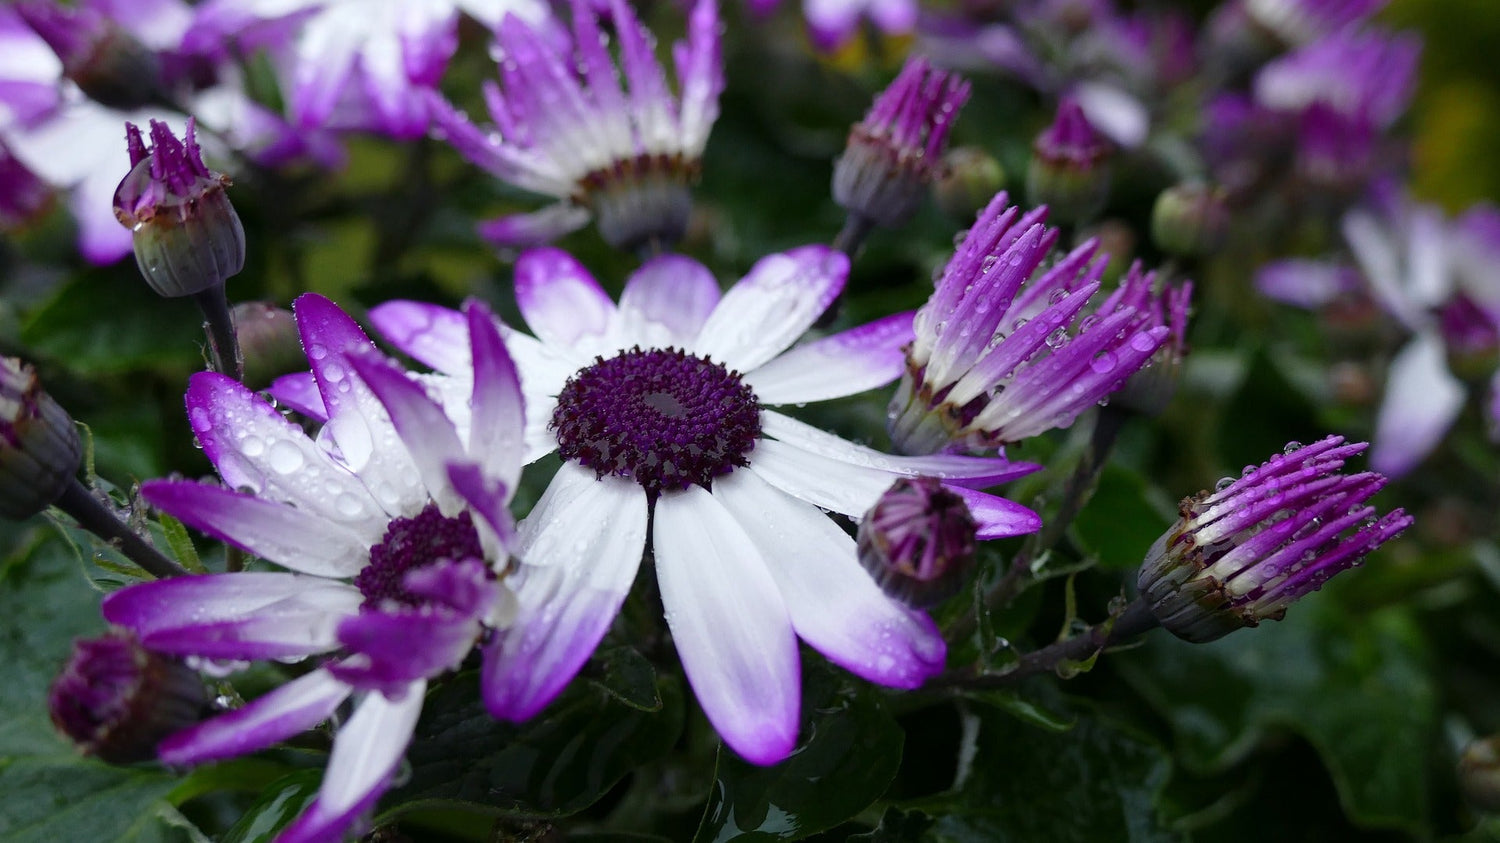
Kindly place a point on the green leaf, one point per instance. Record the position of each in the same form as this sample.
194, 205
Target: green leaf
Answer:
555, 764
628, 677
1025, 710
1094, 782
108, 321
1354, 687
180, 544
850, 752
278, 805
897, 826
1122, 519
64, 797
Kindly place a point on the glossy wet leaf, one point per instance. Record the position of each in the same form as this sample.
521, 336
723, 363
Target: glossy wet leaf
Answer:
1125, 515
1354, 686
278, 805
1024, 709
628, 677
555, 764
849, 751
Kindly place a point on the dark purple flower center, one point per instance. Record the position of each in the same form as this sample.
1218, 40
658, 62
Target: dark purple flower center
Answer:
411, 543
661, 417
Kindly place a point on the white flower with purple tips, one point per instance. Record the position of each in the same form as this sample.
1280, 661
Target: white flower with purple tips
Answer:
659, 408
392, 524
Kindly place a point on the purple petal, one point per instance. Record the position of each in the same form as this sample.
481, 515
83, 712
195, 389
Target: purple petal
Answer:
285, 535
1422, 399
858, 359
433, 335
365, 756
1306, 283
730, 625
289, 710
425, 431
497, 430
997, 517
671, 291
772, 306
299, 392
488, 498
560, 300
536, 228
579, 551
834, 604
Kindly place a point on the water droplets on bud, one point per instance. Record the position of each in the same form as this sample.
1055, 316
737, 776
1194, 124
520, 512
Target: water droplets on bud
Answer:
1057, 339
1104, 363
988, 264
1142, 343
1291, 446
1224, 483
1057, 296
1088, 322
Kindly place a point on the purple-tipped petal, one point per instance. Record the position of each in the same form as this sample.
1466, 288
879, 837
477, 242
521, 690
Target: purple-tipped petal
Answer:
365, 756
670, 295
497, 431
1422, 399
537, 228
289, 710
425, 431
858, 359
299, 391
834, 604
973, 472
996, 517
773, 305
285, 535
579, 551
560, 300
730, 625
488, 498
433, 335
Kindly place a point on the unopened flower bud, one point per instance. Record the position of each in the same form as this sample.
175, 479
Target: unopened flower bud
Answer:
895, 152
269, 342
104, 60
188, 238
967, 180
1190, 220
918, 541
1070, 166
1241, 554
1479, 774
39, 447
117, 700
1150, 389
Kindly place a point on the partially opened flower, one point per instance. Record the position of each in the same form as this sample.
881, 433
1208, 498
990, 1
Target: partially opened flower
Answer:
564, 126
1004, 350
392, 523
659, 407
1241, 554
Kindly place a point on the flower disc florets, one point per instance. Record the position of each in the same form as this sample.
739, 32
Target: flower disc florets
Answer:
412, 543
661, 417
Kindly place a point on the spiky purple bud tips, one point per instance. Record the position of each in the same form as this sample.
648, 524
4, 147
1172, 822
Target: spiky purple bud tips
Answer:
895, 152
917, 541
1070, 166
188, 238
1241, 554
116, 700
39, 446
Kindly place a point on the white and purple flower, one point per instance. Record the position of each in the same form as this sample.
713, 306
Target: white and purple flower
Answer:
392, 524
659, 407
565, 127
996, 357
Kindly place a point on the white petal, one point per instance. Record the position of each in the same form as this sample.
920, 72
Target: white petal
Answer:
772, 306
1422, 399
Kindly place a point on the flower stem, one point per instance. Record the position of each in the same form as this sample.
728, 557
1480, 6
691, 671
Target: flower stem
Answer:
92, 515
223, 345
852, 236
1135, 620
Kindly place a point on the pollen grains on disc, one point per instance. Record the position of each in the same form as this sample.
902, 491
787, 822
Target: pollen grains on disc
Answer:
412, 543
662, 417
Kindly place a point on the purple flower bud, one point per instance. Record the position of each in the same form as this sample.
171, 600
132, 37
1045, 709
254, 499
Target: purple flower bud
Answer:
117, 700
1007, 347
104, 60
1241, 554
1150, 389
1070, 166
1190, 219
39, 446
917, 541
895, 152
188, 238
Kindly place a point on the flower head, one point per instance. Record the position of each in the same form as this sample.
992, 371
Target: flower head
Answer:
39, 447
565, 127
662, 405
1241, 554
101, 57
917, 541
393, 524
996, 356
1069, 171
117, 700
896, 151
187, 236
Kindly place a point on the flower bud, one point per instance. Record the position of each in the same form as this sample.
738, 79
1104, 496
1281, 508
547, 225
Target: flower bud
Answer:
1070, 166
1150, 389
918, 541
1190, 220
1241, 554
895, 152
117, 700
188, 238
268, 341
967, 180
104, 60
39, 447
1479, 774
